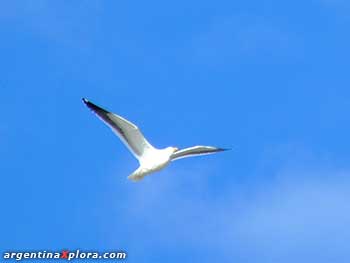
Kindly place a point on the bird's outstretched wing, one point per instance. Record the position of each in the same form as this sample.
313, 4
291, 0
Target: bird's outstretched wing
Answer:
128, 132
194, 151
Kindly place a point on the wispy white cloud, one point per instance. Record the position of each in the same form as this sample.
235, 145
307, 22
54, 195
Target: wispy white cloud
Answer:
297, 215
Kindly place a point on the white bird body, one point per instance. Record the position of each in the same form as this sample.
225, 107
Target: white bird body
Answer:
152, 162
150, 158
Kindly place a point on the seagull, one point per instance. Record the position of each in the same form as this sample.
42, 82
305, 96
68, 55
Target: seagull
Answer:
150, 158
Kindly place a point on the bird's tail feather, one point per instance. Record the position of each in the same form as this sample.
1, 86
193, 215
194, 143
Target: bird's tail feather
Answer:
136, 176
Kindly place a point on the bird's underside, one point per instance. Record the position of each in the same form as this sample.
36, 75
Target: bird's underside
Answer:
150, 158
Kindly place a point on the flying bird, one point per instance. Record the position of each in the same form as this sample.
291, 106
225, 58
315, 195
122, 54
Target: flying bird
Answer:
150, 158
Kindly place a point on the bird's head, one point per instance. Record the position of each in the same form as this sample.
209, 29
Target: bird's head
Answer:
172, 149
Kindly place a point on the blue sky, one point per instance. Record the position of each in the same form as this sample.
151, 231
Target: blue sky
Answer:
268, 79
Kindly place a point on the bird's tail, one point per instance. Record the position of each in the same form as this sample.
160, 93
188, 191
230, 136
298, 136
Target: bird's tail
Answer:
136, 176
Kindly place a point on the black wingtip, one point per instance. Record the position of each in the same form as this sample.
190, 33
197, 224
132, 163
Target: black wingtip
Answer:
93, 107
89, 104
224, 149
